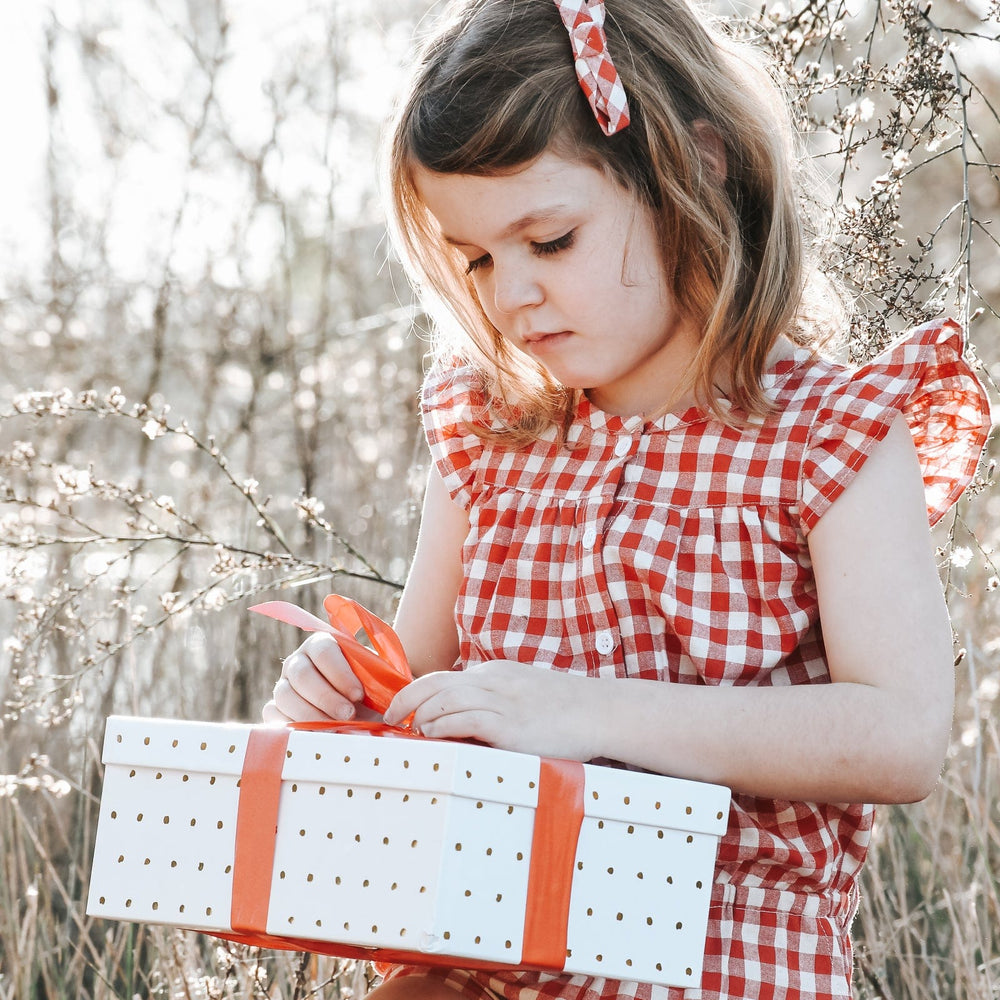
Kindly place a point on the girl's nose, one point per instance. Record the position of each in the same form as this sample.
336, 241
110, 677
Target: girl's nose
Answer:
515, 287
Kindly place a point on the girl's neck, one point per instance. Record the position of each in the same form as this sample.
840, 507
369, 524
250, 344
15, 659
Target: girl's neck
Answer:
657, 385
665, 387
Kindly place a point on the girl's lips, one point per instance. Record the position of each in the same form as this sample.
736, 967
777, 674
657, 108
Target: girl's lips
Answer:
536, 341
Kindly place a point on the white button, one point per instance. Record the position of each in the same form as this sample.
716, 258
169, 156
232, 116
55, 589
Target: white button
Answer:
605, 643
589, 537
623, 446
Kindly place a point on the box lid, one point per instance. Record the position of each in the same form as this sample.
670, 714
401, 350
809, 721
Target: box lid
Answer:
438, 766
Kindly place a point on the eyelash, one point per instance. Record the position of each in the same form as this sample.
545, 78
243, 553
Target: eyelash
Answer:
546, 249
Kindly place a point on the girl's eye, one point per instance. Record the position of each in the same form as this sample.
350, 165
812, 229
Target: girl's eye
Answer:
554, 246
563, 242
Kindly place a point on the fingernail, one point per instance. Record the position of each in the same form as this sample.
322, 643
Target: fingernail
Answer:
345, 712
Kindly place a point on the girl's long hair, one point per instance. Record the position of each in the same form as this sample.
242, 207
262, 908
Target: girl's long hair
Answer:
495, 88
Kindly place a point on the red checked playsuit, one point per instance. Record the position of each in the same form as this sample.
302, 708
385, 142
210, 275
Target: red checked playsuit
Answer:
677, 551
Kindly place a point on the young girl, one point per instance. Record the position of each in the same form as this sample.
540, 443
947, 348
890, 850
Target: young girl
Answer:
660, 530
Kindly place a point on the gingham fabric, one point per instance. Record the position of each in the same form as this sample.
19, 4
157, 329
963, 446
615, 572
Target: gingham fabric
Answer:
677, 551
584, 20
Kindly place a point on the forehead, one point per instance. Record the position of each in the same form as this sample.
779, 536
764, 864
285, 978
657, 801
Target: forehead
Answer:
549, 189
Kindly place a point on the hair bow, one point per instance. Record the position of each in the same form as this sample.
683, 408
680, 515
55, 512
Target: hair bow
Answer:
594, 69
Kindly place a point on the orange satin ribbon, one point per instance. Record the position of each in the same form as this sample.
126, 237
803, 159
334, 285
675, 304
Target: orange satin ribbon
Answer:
558, 814
256, 826
558, 817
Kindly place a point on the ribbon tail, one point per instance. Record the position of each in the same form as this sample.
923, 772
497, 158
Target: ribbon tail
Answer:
292, 614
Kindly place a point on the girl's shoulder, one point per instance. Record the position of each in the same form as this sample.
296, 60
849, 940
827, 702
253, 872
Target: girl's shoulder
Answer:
455, 414
455, 390
843, 412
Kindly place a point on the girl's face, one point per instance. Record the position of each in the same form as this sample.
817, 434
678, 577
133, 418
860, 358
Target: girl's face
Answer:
567, 267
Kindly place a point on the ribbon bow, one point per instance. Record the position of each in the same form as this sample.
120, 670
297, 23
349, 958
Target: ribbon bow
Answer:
584, 20
382, 671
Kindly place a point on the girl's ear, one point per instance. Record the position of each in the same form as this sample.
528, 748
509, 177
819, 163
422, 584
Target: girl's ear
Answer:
712, 149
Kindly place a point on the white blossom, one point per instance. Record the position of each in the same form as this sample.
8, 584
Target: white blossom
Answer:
900, 161
961, 556
309, 508
169, 600
153, 429
72, 482
22, 453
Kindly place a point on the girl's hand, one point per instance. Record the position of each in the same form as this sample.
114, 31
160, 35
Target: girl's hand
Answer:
510, 705
316, 684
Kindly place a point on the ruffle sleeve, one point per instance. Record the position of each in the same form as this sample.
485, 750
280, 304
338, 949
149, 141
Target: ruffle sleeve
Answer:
922, 375
452, 403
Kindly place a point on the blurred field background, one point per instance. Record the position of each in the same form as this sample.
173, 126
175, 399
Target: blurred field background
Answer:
208, 387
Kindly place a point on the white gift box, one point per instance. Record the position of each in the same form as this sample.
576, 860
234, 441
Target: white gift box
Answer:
432, 851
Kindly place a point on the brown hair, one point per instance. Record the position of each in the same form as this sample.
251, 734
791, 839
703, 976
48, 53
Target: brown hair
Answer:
495, 88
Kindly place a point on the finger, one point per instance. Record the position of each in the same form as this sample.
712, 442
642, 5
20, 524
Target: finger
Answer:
450, 701
477, 724
271, 714
312, 686
411, 697
436, 696
291, 704
324, 653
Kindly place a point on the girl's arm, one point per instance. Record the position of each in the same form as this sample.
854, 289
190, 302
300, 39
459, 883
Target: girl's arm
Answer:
316, 682
877, 733
425, 621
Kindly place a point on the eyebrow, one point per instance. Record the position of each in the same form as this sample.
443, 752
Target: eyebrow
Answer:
519, 225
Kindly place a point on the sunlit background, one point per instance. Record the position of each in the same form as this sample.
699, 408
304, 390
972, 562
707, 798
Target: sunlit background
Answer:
209, 372
132, 79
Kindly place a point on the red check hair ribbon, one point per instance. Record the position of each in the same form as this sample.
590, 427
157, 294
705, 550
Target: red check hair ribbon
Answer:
584, 20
